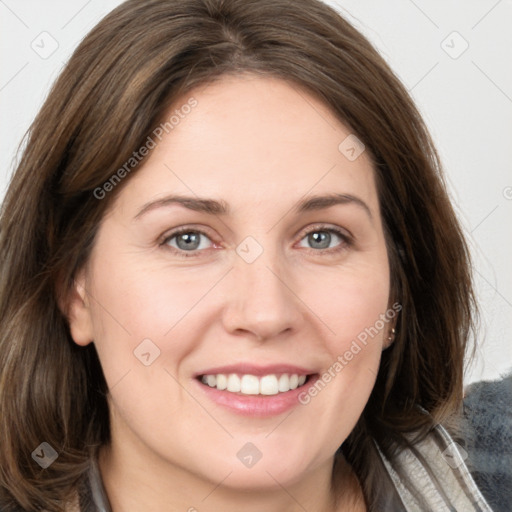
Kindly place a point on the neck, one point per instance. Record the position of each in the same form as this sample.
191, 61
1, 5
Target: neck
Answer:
135, 480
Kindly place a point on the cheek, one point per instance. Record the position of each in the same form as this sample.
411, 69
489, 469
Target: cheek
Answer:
351, 302
138, 310
354, 307
144, 294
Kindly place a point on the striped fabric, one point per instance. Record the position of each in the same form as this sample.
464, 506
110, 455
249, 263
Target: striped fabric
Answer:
434, 477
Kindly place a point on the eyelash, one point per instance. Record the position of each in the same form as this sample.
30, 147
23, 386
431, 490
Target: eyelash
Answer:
346, 240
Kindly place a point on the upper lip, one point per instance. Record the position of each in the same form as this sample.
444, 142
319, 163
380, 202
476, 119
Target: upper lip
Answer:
252, 369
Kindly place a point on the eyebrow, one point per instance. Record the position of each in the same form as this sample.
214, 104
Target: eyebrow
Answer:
214, 207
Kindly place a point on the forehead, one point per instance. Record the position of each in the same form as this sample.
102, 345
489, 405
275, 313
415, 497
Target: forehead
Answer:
252, 140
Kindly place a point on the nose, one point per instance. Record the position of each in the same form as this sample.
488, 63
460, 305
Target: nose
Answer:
261, 299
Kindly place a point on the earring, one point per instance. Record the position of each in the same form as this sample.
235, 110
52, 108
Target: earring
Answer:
392, 335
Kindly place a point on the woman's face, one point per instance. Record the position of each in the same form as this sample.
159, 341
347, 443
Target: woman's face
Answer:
277, 289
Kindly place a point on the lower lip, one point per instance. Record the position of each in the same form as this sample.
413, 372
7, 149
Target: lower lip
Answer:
257, 405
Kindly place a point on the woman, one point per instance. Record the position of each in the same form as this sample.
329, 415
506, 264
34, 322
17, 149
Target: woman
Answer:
235, 280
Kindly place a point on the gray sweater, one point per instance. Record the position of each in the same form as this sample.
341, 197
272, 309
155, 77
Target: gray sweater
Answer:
485, 432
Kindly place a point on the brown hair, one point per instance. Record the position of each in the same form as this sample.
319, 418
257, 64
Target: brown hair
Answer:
112, 94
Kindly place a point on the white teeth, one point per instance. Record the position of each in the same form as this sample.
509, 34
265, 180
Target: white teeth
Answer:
284, 383
268, 385
253, 385
250, 385
234, 383
222, 381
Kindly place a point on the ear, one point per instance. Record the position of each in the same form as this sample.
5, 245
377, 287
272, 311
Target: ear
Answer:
390, 329
389, 336
78, 312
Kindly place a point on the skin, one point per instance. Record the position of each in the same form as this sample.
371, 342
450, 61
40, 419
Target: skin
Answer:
260, 145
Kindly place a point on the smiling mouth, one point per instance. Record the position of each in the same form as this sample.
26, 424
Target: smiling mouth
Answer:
247, 384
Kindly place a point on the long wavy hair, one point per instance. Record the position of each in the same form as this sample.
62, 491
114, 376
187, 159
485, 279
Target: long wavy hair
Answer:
109, 98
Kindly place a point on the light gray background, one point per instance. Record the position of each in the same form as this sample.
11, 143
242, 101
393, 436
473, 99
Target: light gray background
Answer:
464, 94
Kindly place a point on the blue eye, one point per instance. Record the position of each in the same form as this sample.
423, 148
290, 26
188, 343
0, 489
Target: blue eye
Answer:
322, 238
186, 240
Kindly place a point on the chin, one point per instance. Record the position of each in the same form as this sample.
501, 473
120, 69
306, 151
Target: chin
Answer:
270, 472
